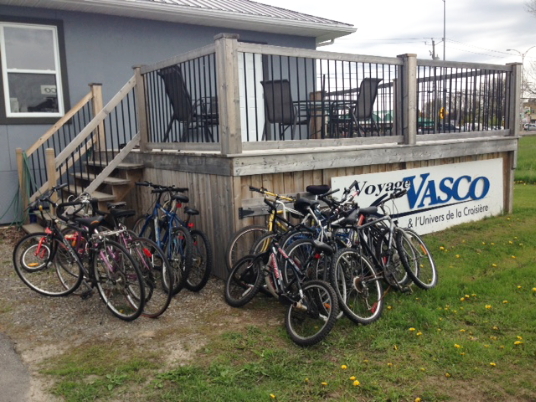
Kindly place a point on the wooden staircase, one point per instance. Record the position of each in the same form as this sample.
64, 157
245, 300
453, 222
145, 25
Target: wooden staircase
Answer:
94, 160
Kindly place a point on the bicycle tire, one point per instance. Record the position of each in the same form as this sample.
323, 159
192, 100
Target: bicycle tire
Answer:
156, 271
312, 319
141, 229
312, 264
242, 242
244, 281
358, 288
391, 262
119, 280
34, 260
179, 253
417, 259
201, 262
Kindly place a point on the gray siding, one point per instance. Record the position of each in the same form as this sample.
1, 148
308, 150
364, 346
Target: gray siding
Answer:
103, 49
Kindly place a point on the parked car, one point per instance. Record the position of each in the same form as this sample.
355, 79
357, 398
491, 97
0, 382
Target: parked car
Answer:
530, 126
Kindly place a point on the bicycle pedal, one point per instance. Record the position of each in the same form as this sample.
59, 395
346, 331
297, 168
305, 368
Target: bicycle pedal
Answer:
407, 289
87, 294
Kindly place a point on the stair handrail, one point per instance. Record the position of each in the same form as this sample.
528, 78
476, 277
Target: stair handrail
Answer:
86, 132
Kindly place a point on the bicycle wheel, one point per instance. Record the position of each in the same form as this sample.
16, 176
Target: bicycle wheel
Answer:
313, 264
243, 281
417, 259
310, 320
43, 269
119, 280
357, 286
201, 262
156, 271
143, 227
179, 253
394, 270
242, 242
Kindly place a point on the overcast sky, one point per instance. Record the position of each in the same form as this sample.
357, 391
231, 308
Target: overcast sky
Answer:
477, 30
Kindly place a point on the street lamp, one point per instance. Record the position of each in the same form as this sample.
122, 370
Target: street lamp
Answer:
522, 64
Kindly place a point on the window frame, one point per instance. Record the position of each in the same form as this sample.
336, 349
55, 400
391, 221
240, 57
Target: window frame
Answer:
60, 74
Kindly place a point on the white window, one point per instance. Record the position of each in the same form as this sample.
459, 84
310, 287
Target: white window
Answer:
31, 70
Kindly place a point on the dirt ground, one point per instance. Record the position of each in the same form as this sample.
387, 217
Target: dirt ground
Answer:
42, 327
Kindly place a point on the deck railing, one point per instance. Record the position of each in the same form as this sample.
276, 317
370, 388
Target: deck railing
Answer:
234, 96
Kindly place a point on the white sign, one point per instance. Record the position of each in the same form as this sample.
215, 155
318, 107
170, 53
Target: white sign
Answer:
48, 90
438, 196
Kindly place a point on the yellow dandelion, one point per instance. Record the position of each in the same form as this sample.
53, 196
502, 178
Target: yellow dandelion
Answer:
462, 298
493, 338
390, 364
457, 346
306, 381
492, 244
423, 369
493, 364
356, 383
412, 329
486, 346
494, 265
501, 347
519, 286
419, 333
534, 289
510, 242
365, 361
324, 384
352, 378
483, 243
395, 347
517, 343
473, 295
462, 354
389, 307
439, 330
488, 306
462, 330
495, 327
457, 255
442, 248
272, 396
418, 399
514, 257
519, 337
447, 375
467, 296
344, 367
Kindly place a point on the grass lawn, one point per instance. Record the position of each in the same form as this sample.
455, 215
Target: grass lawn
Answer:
471, 338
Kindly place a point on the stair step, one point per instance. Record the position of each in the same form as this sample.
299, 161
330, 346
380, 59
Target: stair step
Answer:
122, 165
114, 181
33, 228
98, 195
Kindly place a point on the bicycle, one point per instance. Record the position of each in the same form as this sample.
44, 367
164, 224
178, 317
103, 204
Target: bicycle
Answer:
52, 265
278, 221
312, 304
163, 227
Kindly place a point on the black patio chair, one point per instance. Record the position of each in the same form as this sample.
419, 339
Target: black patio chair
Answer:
347, 117
193, 115
280, 108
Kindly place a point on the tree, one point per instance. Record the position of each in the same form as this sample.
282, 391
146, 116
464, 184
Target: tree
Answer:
531, 7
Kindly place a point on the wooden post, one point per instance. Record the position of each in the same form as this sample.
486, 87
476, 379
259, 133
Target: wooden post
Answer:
514, 99
228, 93
409, 98
142, 109
97, 105
513, 122
50, 159
22, 183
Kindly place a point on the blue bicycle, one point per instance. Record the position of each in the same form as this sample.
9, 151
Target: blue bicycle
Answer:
187, 249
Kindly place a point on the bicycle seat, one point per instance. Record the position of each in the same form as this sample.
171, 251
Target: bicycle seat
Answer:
320, 246
180, 197
92, 222
191, 211
318, 189
368, 211
122, 213
303, 205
